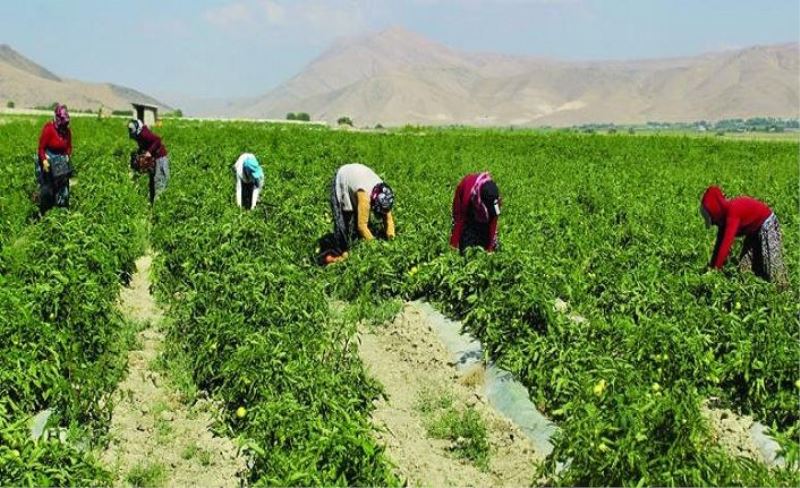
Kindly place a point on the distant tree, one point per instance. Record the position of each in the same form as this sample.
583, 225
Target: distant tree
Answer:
344, 120
378, 126
612, 130
302, 116
631, 130
177, 113
291, 116
122, 113
10, 104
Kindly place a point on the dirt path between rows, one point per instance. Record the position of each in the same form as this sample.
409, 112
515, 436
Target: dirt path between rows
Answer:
408, 359
156, 440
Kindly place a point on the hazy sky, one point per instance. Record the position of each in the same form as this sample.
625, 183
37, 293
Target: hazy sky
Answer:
225, 48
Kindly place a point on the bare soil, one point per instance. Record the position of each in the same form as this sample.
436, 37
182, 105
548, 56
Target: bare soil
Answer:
407, 358
732, 432
150, 426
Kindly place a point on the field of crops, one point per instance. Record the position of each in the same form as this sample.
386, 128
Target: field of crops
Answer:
607, 223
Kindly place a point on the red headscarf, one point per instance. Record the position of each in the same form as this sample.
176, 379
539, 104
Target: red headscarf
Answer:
715, 204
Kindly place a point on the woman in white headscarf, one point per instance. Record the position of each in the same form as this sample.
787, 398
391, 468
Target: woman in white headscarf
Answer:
249, 181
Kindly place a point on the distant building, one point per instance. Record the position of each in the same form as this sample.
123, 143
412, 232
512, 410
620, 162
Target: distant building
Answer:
146, 113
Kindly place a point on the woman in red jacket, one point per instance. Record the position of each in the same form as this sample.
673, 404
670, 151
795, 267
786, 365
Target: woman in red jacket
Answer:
762, 251
55, 141
476, 207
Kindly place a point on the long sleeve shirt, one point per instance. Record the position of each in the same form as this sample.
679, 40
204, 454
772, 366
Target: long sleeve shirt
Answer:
463, 212
353, 187
150, 142
362, 219
740, 216
53, 141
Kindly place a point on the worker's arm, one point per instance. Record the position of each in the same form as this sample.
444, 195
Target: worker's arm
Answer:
492, 246
44, 138
362, 214
725, 238
459, 219
388, 223
238, 191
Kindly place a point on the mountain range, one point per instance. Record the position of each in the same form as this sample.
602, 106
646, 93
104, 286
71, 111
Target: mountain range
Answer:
397, 77
29, 85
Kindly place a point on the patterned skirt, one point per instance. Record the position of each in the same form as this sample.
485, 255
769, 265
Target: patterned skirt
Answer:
762, 253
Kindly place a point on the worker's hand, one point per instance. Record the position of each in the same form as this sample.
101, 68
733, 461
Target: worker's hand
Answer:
330, 259
46, 165
390, 235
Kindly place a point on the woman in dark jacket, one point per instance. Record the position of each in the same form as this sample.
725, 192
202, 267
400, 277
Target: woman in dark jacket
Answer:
150, 146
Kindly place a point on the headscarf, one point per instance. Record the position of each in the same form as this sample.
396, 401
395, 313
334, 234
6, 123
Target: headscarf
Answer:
61, 117
715, 204
135, 127
485, 198
382, 198
253, 170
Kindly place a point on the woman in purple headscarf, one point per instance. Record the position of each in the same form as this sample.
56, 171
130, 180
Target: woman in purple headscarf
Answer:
55, 142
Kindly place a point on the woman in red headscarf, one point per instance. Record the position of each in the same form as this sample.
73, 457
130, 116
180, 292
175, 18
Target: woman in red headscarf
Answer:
476, 207
762, 251
55, 149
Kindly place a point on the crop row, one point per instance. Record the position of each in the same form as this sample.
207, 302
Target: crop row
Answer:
253, 327
63, 339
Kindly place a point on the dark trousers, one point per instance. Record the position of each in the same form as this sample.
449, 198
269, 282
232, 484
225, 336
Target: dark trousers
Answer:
344, 223
475, 234
247, 194
51, 193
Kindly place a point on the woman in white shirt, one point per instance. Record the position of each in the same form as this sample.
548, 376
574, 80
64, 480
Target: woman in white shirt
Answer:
249, 181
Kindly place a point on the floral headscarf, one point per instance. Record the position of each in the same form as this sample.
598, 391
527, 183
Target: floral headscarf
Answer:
61, 117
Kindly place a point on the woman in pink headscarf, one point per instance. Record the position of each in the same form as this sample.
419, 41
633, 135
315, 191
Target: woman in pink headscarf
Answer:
55, 147
476, 208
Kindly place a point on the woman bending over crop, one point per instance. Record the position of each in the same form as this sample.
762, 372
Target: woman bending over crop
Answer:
249, 181
476, 207
150, 146
52, 162
356, 190
762, 251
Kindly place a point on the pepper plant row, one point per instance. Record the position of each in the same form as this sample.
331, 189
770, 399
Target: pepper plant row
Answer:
64, 342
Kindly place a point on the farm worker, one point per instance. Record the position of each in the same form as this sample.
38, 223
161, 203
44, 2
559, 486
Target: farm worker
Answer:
55, 142
356, 190
150, 146
762, 251
476, 207
249, 181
